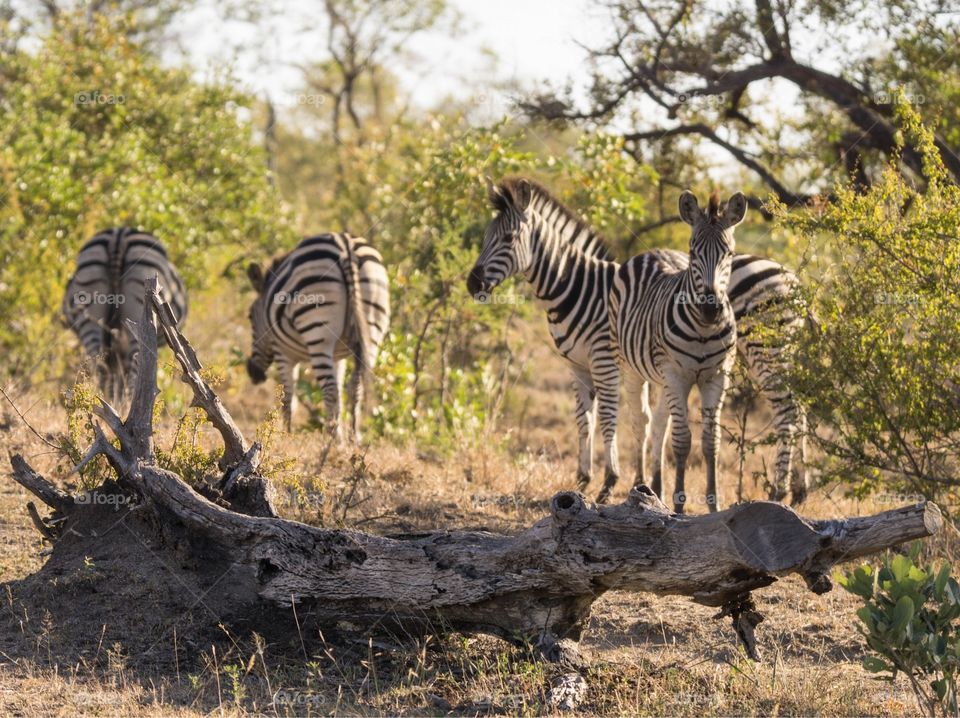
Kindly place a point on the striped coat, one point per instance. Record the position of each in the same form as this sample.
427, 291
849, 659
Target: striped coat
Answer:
107, 290
677, 329
571, 272
326, 301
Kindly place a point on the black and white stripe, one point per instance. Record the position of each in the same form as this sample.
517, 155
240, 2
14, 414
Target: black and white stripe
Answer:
107, 289
534, 235
574, 281
324, 302
677, 329
762, 293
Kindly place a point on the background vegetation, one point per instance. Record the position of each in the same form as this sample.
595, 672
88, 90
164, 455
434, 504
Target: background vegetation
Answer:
99, 129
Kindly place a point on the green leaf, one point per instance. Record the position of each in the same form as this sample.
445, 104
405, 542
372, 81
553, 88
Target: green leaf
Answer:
876, 665
941, 582
902, 615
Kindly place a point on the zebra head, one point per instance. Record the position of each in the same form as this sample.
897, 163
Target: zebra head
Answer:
506, 248
712, 247
261, 354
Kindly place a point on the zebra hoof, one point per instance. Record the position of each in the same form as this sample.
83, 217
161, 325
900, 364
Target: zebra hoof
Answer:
604, 495
583, 480
777, 494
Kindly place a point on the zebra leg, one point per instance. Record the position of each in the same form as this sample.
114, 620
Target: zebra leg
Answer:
798, 479
711, 396
329, 375
785, 420
608, 406
676, 394
660, 424
289, 372
355, 400
638, 394
586, 424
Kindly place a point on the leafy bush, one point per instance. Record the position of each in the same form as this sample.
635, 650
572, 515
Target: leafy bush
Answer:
94, 133
880, 372
910, 617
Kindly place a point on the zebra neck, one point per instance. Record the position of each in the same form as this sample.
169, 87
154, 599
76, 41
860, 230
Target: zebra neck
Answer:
687, 290
556, 262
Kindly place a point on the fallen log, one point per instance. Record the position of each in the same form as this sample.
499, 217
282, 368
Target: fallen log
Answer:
537, 586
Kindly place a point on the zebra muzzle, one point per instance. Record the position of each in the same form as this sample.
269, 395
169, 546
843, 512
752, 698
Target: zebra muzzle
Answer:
475, 282
257, 375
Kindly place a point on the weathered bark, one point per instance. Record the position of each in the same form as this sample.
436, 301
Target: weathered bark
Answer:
538, 585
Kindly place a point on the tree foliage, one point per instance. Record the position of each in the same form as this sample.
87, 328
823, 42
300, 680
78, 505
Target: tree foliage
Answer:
95, 133
786, 88
881, 369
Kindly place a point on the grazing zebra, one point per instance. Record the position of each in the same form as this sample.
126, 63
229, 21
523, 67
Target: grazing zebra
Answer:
536, 236
574, 273
326, 300
107, 289
676, 329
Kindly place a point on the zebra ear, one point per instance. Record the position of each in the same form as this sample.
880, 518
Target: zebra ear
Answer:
522, 194
735, 211
255, 273
690, 211
496, 195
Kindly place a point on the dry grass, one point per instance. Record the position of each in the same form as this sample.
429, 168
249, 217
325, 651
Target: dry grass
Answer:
651, 656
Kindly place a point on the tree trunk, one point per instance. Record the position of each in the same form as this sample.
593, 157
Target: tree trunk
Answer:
536, 586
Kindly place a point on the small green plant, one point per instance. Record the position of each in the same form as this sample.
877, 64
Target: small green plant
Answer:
187, 457
910, 622
79, 403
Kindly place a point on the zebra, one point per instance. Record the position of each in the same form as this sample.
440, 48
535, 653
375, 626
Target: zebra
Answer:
676, 329
536, 236
326, 300
107, 289
762, 294
579, 257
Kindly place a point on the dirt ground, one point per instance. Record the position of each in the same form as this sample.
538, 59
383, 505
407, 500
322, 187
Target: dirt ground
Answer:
130, 632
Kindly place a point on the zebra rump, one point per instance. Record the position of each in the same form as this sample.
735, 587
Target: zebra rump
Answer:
325, 301
106, 290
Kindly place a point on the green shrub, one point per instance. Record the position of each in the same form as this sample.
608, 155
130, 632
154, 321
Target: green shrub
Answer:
909, 620
94, 133
880, 371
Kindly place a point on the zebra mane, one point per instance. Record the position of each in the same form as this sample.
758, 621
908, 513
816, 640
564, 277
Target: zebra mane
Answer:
714, 208
580, 234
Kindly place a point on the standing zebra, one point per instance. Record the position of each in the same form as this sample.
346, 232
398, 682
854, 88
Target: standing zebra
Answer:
574, 273
761, 293
326, 300
535, 235
107, 289
676, 329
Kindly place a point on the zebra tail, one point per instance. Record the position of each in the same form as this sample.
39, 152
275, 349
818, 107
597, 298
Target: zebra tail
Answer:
362, 349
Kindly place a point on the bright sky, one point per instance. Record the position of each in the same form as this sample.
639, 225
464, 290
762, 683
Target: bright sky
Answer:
532, 40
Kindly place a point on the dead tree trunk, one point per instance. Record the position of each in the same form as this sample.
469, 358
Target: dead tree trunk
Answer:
536, 586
